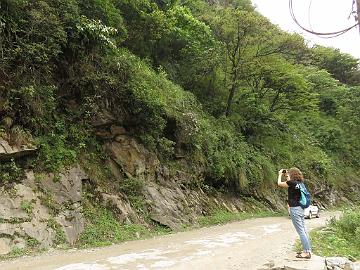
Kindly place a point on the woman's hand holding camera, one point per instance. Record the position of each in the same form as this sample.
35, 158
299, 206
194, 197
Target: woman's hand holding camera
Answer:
283, 173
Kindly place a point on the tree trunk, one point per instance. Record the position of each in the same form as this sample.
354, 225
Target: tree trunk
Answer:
230, 98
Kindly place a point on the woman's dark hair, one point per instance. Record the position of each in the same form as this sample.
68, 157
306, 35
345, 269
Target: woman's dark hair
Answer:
296, 174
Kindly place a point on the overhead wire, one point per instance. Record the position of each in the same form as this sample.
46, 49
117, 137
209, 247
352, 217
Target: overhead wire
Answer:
320, 34
309, 11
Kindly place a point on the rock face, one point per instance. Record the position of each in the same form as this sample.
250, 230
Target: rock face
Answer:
8, 151
132, 157
121, 207
5, 246
169, 201
67, 188
66, 193
23, 217
29, 210
25, 220
172, 207
72, 222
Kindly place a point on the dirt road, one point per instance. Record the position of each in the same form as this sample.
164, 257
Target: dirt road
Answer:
241, 245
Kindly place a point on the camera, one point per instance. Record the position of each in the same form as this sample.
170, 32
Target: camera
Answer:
284, 171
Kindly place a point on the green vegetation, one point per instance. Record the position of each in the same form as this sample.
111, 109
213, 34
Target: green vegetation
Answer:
217, 82
211, 84
60, 238
10, 172
133, 188
222, 217
27, 206
32, 248
103, 229
340, 238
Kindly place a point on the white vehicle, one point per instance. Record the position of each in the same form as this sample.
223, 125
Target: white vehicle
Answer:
311, 211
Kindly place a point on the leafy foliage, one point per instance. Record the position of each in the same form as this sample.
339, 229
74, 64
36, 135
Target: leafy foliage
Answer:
340, 238
212, 80
103, 228
10, 172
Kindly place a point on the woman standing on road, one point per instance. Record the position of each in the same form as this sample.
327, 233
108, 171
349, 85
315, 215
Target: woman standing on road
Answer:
294, 176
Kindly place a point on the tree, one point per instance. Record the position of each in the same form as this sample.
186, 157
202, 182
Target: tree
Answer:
236, 29
342, 66
247, 40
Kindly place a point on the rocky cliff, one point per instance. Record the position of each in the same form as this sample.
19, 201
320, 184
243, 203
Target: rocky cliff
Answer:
46, 210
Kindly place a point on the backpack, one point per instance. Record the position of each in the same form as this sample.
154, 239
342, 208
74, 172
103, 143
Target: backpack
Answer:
304, 196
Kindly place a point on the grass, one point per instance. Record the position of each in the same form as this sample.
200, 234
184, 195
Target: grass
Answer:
223, 217
27, 206
341, 237
328, 243
103, 229
32, 248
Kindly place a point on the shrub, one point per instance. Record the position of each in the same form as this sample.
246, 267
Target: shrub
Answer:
341, 237
10, 172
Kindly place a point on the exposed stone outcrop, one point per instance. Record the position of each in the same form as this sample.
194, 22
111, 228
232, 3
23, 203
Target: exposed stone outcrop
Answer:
22, 207
66, 192
121, 207
172, 207
23, 215
8, 151
7, 229
40, 232
171, 195
134, 159
66, 188
72, 222
10, 208
169, 200
5, 246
